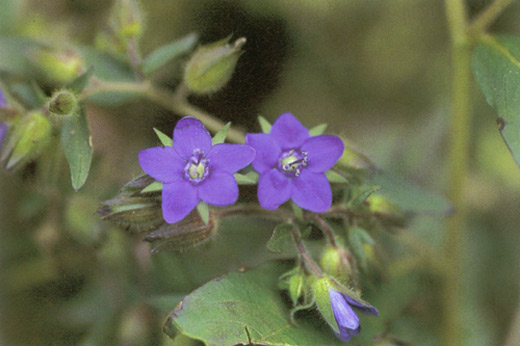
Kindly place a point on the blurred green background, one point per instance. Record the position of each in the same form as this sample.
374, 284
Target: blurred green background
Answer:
376, 71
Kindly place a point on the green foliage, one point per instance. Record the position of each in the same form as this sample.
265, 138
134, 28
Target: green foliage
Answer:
264, 124
318, 130
220, 136
77, 146
496, 65
250, 178
165, 140
169, 52
244, 308
281, 240
203, 210
335, 177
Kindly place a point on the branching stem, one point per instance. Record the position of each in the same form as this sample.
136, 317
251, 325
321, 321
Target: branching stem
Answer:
305, 256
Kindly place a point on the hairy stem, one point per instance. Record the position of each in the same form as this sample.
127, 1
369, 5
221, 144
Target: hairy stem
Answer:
454, 246
327, 231
304, 254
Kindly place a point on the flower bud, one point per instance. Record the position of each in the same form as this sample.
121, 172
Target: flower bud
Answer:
389, 213
127, 20
63, 103
337, 262
29, 137
336, 303
60, 66
211, 66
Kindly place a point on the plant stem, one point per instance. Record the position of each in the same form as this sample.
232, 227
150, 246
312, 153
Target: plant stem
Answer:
326, 230
454, 246
174, 101
306, 257
488, 16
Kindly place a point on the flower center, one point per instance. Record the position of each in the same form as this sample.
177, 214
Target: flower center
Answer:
292, 162
196, 170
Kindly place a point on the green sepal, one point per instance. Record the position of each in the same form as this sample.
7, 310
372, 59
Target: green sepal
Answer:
335, 177
165, 140
203, 210
250, 178
318, 130
264, 124
220, 136
81, 82
153, 187
362, 194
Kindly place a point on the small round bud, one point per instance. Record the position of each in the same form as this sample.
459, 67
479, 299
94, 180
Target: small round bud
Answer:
336, 262
211, 66
296, 286
29, 137
63, 103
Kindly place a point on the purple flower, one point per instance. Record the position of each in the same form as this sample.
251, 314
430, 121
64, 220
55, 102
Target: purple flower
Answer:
193, 169
291, 164
3, 126
346, 318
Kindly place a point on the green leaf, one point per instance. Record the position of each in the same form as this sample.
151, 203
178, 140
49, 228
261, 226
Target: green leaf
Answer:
14, 57
203, 210
82, 81
318, 130
245, 308
357, 237
220, 136
496, 65
165, 140
410, 197
264, 124
281, 240
153, 187
362, 195
335, 177
77, 147
250, 178
30, 93
164, 54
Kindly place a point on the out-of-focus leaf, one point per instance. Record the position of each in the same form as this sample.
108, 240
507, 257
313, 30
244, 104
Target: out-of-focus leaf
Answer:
409, 197
109, 69
77, 146
264, 124
362, 194
318, 130
250, 178
496, 65
30, 94
14, 55
169, 52
165, 140
281, 240
245, 308
220, 136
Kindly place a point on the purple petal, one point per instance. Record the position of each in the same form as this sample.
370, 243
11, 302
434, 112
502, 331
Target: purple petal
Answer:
178, 200
219, 188
312, 191
189, 135
3, 132
323, 152
230, 157
162, 163
274, 188
267, 151
346, 334
345, 316
288, 132
367, 309
3, 103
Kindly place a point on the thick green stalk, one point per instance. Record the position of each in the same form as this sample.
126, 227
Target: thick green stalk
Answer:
456, 227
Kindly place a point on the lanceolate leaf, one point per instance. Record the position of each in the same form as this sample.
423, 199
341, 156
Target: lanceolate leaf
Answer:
220, 136
496, 65
76, 144
244, 309
165, 140
164, 54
